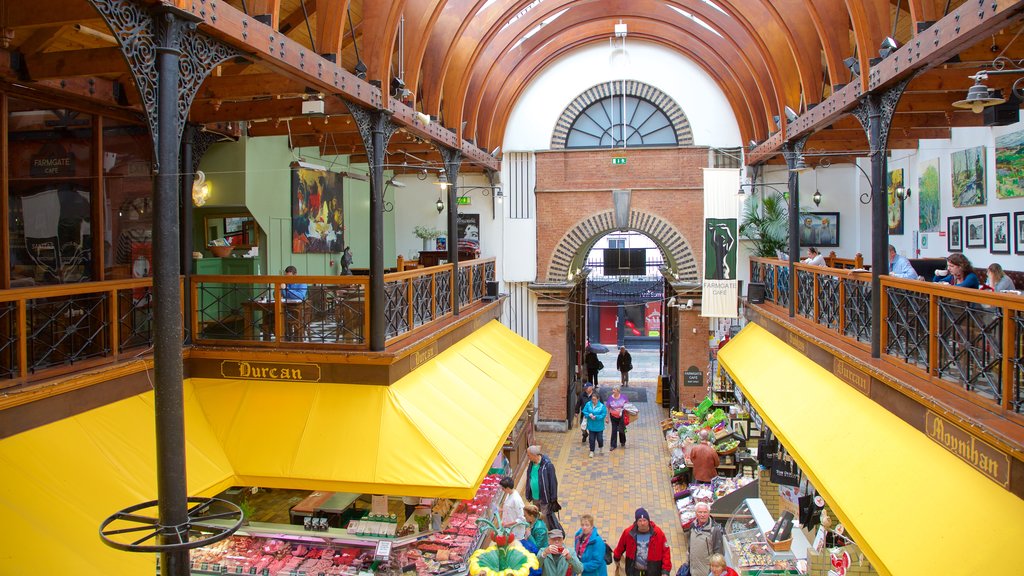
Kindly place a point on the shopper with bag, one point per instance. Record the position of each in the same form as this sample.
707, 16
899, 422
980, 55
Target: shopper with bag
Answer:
645, 547
595, 413
589, 548
542, 486
616, 403
624, 363
581, 403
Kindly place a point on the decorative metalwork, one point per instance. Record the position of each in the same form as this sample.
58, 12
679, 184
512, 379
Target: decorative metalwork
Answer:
463, 292
141, 33
478, 281
220, 311
67, 329
857, 310
130, 529
884, 105
8, 340
784, 285
971, 347
367, 121
452, 158
396, 308
1017, 401
489, 271
769, 282
805, 294
828, 301
135, 318
908, 326
422, 300
443, 293
201, 142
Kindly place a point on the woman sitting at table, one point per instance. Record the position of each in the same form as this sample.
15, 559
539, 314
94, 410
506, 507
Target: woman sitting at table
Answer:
293, 291
814, 258
997, 279
958, 272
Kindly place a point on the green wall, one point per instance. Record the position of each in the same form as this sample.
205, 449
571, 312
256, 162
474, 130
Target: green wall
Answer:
262, 183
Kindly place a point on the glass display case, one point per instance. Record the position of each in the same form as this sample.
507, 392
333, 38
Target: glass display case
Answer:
747, 550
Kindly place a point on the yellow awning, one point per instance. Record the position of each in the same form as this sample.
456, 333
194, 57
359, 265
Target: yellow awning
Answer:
433, 433
912, 506
59, 481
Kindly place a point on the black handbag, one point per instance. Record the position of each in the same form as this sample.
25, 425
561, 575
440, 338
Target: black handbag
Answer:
608, 556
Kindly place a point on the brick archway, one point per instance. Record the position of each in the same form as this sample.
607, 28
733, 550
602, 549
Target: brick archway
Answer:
664, 102
573, 247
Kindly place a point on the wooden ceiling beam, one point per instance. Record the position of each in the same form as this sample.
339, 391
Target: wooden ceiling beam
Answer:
248, 86
297, 17
206, 111
271, 7
946, 119
41, 39
330, 26
905, 132
47, 13
76, 63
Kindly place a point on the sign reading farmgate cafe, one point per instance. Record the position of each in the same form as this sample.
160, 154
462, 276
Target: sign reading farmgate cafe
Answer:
980, 455
52, 160
245, 370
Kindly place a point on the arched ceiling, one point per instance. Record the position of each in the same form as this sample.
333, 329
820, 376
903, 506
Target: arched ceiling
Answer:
466, 62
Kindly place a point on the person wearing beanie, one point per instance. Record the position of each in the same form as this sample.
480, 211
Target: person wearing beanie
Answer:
557, 558
645, 547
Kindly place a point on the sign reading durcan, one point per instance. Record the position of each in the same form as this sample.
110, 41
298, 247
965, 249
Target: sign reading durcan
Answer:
244, 370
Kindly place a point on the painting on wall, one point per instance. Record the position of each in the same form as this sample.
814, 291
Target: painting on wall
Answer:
999, 227
1018, 237
317, 217
968, 168
954, 233
928, 201
819, 229
1010, 165
469, 233
893, 181
975, 231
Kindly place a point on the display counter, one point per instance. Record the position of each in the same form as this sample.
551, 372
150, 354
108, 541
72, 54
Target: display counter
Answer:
746, 548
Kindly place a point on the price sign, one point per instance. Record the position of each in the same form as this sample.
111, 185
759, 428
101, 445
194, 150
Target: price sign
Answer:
383, 551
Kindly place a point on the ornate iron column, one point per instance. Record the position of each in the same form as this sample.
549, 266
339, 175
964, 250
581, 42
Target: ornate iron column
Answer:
875, 115
793, 152
168, 59
452, 164
376, 129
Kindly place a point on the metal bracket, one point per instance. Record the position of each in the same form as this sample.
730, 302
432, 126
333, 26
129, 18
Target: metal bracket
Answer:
452, 158
884, 105
368, 120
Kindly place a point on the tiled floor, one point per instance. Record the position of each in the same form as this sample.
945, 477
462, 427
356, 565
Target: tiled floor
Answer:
612, 485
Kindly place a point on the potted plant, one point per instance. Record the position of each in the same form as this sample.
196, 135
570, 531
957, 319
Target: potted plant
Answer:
426, 234
766, 222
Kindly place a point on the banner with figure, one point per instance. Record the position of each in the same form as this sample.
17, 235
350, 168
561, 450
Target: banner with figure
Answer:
721, 213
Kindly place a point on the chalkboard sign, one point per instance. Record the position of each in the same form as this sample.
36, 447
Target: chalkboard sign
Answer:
693, 377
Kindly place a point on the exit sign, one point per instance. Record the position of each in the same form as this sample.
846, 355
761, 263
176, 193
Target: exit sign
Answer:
619, 160
464, 201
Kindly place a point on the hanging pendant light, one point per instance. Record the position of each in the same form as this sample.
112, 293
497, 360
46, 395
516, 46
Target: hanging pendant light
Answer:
440, 204
816, 198
979, 96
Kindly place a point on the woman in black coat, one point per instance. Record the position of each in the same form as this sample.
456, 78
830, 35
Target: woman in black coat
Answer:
624, 363
593, 365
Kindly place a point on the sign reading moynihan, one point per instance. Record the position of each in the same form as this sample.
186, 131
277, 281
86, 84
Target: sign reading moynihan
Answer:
982, 456
246, 370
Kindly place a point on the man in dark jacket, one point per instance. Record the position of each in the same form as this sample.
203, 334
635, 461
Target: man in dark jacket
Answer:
706, 538
542, 486
593, 365
646, 548
624, 363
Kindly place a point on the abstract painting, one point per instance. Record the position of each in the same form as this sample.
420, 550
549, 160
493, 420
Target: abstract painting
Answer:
930, 217
317, 218
894, 181
1010, 165
968, 168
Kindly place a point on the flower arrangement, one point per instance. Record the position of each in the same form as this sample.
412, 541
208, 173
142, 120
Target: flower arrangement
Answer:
427, 233
505, 557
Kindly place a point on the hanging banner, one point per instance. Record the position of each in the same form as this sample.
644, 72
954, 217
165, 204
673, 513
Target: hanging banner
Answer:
721, 214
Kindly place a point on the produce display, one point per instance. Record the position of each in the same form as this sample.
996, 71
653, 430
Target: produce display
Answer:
727, 447
441, 552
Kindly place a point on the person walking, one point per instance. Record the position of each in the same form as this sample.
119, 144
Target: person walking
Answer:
542, 486
581, 403
705, 540
589, 547
595, 414
538, 531
593, 365
557, 559
616, 402
624, 363
645, 547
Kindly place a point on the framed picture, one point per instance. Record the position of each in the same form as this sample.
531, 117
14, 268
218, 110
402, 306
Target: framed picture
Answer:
968, 170
999, 228
1018, 236
975, 231
954, 233
819, 229
317, 217
895, 208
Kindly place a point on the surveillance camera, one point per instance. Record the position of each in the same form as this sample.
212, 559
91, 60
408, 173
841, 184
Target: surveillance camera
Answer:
689, 304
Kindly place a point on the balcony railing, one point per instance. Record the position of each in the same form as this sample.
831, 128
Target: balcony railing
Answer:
968, 341
46, 331
335, 311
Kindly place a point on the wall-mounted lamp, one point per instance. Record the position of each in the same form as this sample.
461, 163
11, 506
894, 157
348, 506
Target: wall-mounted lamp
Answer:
200, 189
440, 204
902, 193
442, 180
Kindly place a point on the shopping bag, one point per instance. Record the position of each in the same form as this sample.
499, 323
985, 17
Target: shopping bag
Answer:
625, 418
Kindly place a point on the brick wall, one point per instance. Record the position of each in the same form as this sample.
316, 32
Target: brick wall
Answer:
769, 493
574, 185
551, 323
693, 351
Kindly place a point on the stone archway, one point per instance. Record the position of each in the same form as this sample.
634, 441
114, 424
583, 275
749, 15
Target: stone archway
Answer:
573, 247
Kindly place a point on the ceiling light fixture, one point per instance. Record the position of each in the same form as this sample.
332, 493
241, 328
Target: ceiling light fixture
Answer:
980, 96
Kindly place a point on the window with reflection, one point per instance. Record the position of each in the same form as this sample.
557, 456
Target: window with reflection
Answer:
50, 194
128, 182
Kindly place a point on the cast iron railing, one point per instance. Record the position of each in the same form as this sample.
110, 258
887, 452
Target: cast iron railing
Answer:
968, 341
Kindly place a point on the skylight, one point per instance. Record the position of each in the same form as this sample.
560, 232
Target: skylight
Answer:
485, 6
521, 13
715, 6
695, 19
537, 28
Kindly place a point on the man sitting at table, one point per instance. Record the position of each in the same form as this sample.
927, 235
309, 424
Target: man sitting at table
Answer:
293, 291
899, 266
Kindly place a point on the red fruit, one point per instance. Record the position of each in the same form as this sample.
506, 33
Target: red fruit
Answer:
505, 540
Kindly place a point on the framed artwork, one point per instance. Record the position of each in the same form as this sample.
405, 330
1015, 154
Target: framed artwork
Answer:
968, 169
999, 228
928, 201
954, 233
975, 231
894, 180
819, 229
1018, 236
1010, 165
317, 218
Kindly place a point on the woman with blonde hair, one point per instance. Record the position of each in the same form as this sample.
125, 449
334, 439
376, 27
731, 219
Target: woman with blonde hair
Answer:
537, 532
998, 279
